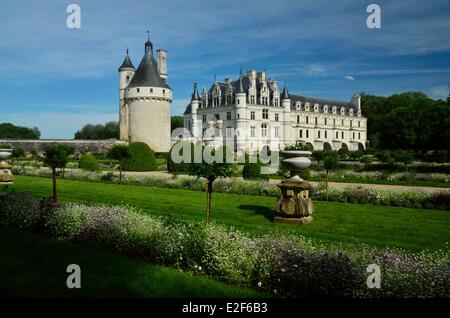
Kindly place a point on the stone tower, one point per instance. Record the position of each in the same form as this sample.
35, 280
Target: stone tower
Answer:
145, 100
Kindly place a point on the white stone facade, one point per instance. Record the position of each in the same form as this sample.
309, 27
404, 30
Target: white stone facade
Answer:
257, 113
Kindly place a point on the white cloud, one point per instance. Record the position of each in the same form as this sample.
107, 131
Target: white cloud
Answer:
439, 92
348, 77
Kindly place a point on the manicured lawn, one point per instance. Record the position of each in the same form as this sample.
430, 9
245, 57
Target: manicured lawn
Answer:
35, 266
411, 229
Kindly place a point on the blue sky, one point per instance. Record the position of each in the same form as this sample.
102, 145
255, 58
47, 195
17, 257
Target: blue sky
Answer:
58, 79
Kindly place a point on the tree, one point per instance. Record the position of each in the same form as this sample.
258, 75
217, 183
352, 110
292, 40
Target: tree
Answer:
355, 155
211, 170
69, 150
382, 156
318, 155
119, 152
343, 153
98, 132
403, 156
18, 152
330, 162
366, 159
176, 122
55, 157
10, 131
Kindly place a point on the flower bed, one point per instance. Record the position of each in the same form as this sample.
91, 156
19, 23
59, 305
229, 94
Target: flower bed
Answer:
284, 265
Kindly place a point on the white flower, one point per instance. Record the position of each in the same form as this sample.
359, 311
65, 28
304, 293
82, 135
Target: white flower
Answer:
259, 284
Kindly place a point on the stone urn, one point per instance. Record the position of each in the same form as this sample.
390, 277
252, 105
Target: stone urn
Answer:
6, 177
294, 205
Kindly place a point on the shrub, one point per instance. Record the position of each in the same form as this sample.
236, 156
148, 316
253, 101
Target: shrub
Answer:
252, 171
88, 162
142, 158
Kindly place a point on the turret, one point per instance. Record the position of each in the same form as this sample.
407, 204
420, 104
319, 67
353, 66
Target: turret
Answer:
241, 114
286, 104
356, 101
195, 104
126, 73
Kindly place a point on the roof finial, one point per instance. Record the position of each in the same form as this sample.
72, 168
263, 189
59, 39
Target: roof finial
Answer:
127, 50
148, 35
240, 73
215, 77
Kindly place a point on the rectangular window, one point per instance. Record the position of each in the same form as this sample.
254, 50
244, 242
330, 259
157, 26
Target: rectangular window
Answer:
301, 133
315, 120
342, 134
228, 131
337, 135
298, 119
204, 118
264, 130
252, 99
277, 131
307, 120
353, 135
252, 115
151, 90
276, 117
326, 134
359, 123
326, 122
228, 115
265, 114
334, 121
351, 123
342, 122
137, 90
359, 135
252, 131
318, 134
216, 116
307, 133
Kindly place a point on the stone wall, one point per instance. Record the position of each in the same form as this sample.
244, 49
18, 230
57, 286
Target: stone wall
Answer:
39, 145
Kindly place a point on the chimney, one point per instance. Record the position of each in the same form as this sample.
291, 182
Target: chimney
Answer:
262, 76
162, 64
252, 77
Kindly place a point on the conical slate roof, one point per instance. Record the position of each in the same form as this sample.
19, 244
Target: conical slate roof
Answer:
126, 63
285, 94
195, 96
147, 73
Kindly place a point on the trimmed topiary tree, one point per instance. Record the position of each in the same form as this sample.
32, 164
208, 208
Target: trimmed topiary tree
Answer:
119, 152
142, 158
88, 162
55, 157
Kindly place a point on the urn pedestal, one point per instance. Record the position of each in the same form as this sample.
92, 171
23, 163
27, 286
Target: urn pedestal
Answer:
294, 205
6, 177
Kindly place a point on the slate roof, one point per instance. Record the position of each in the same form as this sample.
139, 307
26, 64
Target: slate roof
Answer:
147, 73
126, 63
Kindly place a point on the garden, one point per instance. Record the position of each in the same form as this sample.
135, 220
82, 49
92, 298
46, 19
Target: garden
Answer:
158, 221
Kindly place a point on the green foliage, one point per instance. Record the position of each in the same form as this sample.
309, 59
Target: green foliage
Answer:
252, 171
56, 156
176, 122
18, 152
88, 162
10, 131
343, 153
402, 156
177, 151
98, 132
331, 161
299, 146
407, 121
119, 152
366, 159
211, 170
142, 158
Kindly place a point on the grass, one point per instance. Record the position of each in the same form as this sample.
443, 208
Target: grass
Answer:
407, 228
35, 266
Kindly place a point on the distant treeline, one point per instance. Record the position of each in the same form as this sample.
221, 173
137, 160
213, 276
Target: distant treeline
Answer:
10, 131
98, 132
407, 121
112, 130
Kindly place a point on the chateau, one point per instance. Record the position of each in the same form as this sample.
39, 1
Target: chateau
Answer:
145, 99
254, 112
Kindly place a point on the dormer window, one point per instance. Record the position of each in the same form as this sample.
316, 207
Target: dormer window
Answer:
307, 107
342, 111
334, 110
316, 107
351, 112
325, 109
